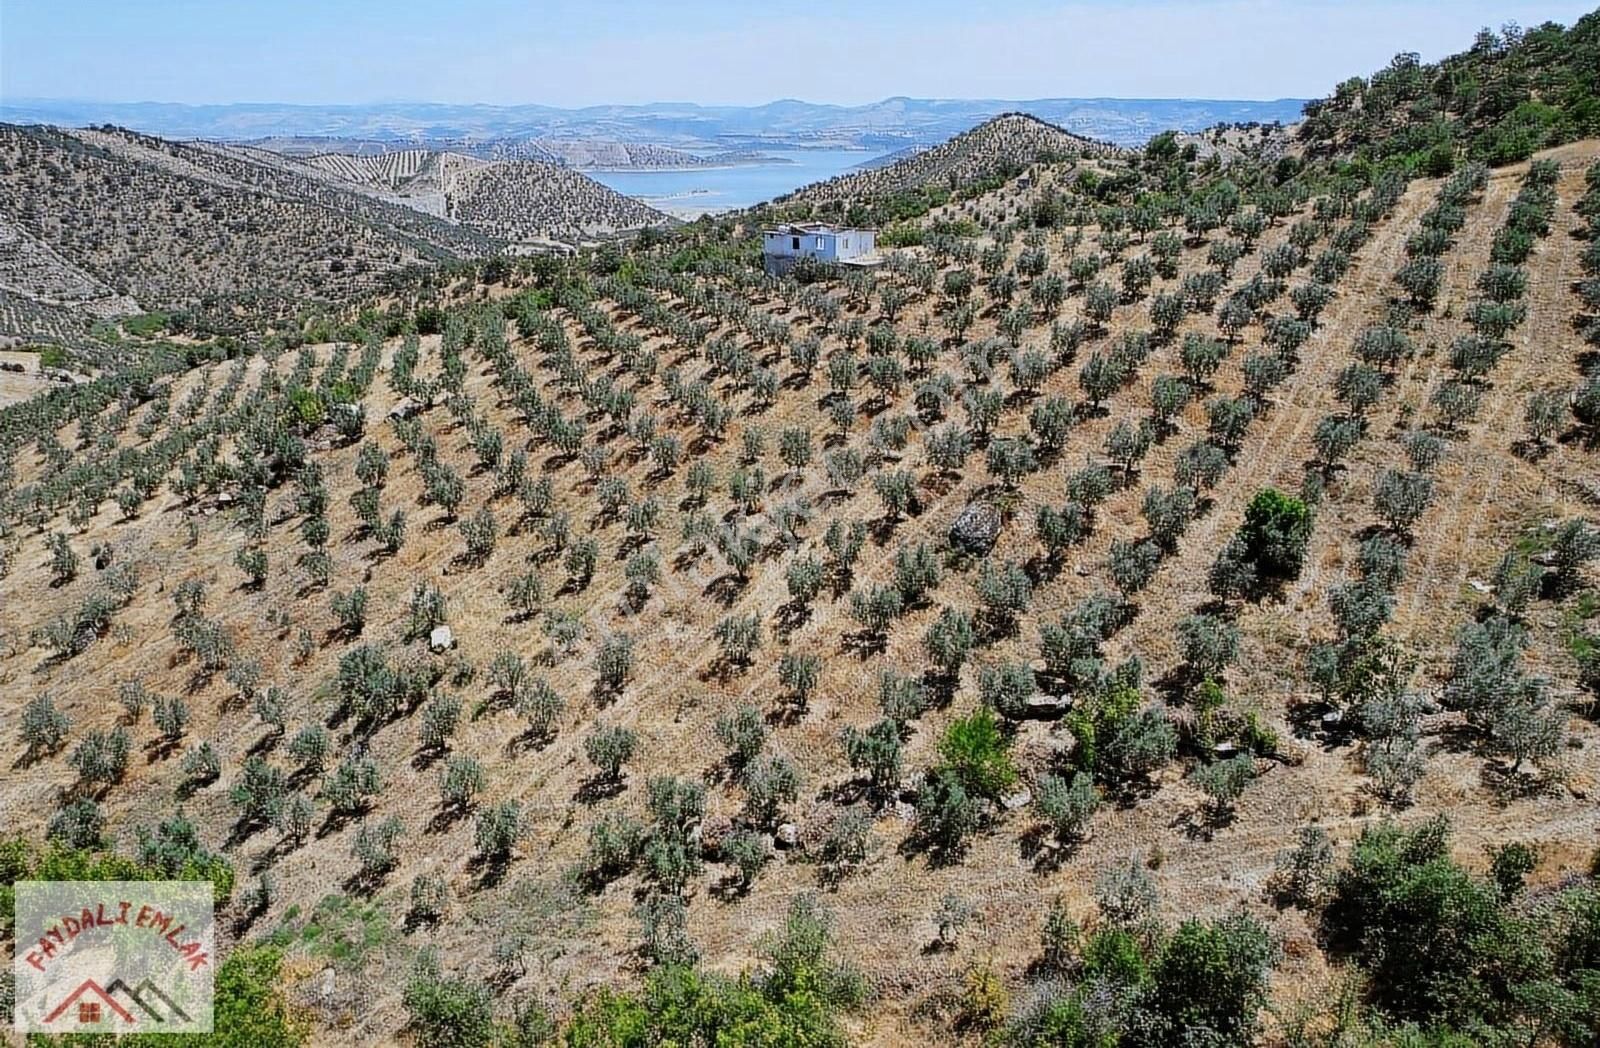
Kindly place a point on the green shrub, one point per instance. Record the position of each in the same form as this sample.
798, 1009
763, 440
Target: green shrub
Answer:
978, 753
1275, 531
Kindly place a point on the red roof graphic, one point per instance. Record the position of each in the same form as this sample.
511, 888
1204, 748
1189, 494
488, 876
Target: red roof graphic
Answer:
90, 984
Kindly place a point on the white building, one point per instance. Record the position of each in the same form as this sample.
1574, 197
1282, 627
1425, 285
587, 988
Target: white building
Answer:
784, 245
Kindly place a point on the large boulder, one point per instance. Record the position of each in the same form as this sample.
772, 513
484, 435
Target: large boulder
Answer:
976, 528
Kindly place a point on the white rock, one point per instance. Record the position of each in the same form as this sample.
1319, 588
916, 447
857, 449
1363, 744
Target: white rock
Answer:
441, 639
405, 408
1481, 587
788, 835
1020, 799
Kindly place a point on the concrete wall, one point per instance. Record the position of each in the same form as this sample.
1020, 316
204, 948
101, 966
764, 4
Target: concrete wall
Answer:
781, 251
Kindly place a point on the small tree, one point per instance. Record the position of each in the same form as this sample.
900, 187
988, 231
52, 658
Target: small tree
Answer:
258, 792
949, 641
101, 757
876, 753
798, 672
438, 723
977, 751
608, 749
739, 637
352, 786
1543, 416
460, 781
1133, 565
1304, 873
171, 716
479, 531
253, 562
42, 728
374, 851
1067, 805
1209, 644
744, 733
613, 663
499, 828
1400, 498
63, 560
1223, 781
1275, 532
350, 609
770, 783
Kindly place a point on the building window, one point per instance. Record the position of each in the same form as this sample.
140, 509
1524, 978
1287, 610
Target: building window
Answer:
819, 243
796, 244
846, 244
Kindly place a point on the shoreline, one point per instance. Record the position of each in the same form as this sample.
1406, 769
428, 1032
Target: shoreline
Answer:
781, 161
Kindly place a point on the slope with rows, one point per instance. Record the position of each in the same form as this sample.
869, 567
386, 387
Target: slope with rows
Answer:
712, 645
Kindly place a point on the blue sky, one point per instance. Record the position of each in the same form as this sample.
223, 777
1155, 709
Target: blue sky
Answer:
570, 53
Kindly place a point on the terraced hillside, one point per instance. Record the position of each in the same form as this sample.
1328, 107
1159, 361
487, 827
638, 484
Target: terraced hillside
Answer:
515, 201
1101, 596
98, 223
121, 217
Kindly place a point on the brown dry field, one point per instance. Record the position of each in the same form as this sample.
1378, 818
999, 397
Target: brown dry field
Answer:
1487, 497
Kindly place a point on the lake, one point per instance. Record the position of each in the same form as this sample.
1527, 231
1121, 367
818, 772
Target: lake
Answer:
688, 194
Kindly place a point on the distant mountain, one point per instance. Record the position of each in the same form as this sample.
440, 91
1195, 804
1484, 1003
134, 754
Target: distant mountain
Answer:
581, 153
998, 148
887, 125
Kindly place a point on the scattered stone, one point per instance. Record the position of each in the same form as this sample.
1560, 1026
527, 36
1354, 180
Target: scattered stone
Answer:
1047, 705
1225, 749
1332, 719
1020, 799
976, 528
788, 835
903, 810
441, 639
1480, 586
408, 407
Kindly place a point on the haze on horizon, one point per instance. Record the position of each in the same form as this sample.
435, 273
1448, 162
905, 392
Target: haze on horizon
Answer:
573, 53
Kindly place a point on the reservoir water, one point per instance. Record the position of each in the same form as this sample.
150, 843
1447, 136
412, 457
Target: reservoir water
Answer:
690, 193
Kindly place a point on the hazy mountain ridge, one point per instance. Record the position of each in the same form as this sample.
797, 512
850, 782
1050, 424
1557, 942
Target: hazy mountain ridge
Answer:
886, 124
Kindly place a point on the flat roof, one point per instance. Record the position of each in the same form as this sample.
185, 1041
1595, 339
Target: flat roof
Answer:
810, 228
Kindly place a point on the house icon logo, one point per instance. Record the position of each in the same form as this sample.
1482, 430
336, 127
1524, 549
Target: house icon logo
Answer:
113, 957
96, 1005
89, 997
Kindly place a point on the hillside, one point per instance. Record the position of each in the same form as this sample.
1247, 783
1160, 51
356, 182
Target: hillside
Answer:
97, 223
107, 219
715, 644
1510, 94
515, 201
988, 154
